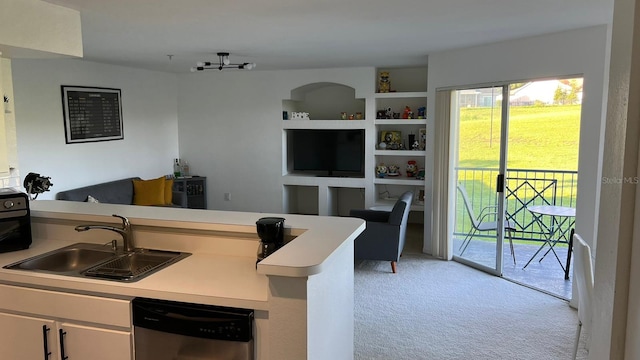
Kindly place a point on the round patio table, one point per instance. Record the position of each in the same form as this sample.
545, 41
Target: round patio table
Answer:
562, 219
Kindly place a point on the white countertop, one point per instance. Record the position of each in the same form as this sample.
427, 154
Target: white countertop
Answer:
204, 277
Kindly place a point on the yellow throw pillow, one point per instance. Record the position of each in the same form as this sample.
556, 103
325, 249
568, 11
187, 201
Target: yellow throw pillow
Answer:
149, 192
168, 191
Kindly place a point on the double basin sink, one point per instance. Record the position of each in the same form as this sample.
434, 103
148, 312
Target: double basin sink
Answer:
100, 261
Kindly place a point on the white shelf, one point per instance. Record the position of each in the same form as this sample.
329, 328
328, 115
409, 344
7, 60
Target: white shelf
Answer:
396, 95
399, 180
311, 180
401, 121
400, 153
323, 124
387, 204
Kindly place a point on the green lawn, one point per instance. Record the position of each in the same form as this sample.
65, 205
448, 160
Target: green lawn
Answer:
540, 137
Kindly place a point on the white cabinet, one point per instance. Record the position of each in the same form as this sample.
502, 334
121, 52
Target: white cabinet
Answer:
86, 342
50, 325
23, 337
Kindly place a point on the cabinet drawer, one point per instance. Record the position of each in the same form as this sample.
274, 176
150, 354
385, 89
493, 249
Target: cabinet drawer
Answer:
55, 304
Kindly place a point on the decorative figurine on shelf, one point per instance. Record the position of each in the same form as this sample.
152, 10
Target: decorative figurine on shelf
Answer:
422, 112
407, 113
351, 117
412, 168
389, 113
381, 170
420, 175
415, 145
384, 85
393, 170
343, 116
381, 114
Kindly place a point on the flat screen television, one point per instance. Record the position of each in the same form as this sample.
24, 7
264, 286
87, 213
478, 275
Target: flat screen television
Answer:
338, 152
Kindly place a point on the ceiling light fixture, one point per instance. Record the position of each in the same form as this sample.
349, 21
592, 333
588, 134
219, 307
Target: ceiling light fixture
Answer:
223, 63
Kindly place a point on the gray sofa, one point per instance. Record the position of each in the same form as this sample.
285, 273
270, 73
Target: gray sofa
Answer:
385, 235
113, 192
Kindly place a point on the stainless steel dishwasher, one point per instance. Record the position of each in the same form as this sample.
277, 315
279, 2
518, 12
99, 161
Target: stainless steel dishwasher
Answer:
168, 330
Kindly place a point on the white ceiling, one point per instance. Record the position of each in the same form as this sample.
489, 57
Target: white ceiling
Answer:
303, 34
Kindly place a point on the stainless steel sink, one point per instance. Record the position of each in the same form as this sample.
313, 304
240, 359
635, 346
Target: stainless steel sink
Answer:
134, 266
69, 259
99, 261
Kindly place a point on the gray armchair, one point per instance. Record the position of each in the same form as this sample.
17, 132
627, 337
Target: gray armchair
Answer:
384, 237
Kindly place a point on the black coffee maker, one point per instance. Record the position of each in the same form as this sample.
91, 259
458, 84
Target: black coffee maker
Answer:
271, 233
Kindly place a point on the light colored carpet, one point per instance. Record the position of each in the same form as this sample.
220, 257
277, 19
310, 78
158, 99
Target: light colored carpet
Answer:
434, 309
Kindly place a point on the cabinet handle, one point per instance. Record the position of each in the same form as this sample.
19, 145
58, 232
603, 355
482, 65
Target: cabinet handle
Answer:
62, 334
45, 339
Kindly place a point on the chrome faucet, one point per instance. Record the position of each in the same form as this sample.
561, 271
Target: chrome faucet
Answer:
125, 231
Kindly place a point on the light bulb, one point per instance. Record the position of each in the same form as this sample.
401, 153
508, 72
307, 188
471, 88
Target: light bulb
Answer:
249, 66
193, 69
225, 60
200, 64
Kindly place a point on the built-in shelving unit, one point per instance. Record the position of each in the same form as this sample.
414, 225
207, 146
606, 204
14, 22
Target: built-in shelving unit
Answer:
305, 193
325, 102
408, 88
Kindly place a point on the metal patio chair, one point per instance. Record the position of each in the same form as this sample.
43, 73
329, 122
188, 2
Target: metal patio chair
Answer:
480, 223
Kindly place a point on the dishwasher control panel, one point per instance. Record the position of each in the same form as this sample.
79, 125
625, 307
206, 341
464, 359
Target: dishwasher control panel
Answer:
196, 320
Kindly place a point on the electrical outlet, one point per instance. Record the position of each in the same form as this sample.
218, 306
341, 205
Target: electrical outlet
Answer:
227, 196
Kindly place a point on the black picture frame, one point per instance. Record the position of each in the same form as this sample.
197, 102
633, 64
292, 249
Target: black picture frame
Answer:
91, 114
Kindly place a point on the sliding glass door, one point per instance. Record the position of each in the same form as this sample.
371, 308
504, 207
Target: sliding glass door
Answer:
514, 148
479, 124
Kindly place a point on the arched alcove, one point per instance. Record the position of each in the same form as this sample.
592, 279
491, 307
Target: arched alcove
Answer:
324, 101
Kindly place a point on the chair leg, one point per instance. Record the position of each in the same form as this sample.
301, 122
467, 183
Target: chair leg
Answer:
466, 241
575, 345
393, 266
513, 253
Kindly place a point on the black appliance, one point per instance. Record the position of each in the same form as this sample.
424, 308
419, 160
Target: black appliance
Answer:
169, 330
15, 221
337, 152
271, 233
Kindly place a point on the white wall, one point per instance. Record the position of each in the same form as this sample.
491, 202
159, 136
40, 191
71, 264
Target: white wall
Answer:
616, 303
231, 129
34, 29
577, 52
149, 111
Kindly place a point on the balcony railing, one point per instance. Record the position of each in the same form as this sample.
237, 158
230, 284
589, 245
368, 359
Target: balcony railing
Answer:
523, 187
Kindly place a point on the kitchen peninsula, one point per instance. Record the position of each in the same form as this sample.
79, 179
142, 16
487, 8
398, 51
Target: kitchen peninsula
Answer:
302, 295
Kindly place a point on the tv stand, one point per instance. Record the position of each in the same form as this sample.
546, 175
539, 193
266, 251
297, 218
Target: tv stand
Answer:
341, 176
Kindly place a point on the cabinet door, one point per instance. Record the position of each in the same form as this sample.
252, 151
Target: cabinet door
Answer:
23, 337
85, 342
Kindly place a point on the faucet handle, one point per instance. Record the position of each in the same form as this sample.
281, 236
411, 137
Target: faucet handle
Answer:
125, 221
113, 243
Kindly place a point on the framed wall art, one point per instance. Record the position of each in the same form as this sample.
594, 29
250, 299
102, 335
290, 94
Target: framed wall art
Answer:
91, 114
